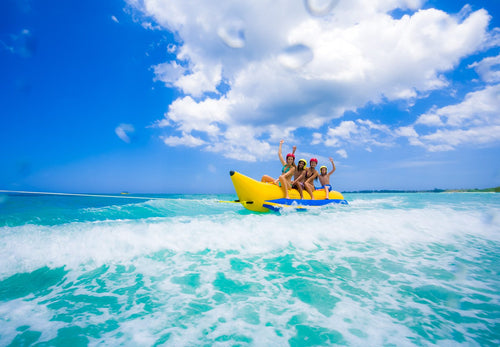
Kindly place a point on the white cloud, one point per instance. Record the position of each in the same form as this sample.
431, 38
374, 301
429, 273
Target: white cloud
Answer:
475, 121
488, 69
171, 48
232, 33
185, 140
123, 131
317, 138
360, 133
169, 73
430, 119
345, 131
203, 79
291, 65
477, 109
449, 139
342, 153
408, 131
114, 19
205, 116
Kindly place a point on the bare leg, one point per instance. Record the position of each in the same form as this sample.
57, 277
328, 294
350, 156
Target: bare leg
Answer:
309, 189
284, 186
326, 193
298, 186
267, 179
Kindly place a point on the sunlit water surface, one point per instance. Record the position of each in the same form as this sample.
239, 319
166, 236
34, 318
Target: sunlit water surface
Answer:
387, 269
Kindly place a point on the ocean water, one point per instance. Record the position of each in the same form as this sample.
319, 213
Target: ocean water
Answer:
415, 269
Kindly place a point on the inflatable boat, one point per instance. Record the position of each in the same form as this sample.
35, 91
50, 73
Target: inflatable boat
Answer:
264, 197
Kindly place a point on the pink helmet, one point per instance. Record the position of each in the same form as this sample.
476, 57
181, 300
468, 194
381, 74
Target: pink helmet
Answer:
313, 159
290, 155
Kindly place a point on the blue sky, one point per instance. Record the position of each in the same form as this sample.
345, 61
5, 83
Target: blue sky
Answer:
158, 96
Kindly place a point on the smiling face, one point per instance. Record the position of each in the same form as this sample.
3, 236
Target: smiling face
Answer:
301, 165
313, 164
289, 160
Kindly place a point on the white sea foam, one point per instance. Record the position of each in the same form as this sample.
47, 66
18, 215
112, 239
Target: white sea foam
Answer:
371, 271
29, 247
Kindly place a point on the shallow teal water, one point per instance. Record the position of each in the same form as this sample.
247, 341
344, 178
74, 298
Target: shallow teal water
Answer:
388, 269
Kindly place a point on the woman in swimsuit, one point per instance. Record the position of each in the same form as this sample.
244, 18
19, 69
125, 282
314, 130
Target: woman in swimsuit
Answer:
310, 176
300, 177
287, 171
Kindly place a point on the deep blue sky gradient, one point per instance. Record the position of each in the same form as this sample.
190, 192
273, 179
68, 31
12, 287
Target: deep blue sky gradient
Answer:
78, 74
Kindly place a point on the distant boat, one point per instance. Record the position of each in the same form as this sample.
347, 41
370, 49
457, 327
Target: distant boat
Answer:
263, 197
124, 193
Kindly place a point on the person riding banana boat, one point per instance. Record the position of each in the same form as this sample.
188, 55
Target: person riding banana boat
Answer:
294, 187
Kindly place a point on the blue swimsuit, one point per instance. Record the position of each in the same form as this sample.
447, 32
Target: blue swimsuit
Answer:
284, 171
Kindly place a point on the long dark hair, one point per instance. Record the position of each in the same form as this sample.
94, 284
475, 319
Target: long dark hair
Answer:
293, 163
303, 167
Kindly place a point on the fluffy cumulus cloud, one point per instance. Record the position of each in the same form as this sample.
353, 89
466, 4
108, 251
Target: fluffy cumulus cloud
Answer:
475, 120
361, 132
488, 69
261, 70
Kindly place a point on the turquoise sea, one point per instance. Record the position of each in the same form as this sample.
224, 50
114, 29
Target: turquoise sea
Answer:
389, 269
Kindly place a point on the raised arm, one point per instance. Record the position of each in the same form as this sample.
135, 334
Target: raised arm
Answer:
280, 154
333, 167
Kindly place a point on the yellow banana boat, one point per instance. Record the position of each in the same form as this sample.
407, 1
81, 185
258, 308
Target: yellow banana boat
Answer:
262, 197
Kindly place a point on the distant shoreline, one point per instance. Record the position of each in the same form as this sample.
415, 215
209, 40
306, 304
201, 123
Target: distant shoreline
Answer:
486, 190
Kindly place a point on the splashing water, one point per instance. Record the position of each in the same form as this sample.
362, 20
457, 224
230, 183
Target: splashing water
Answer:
388, 269
232, 33
320, 8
